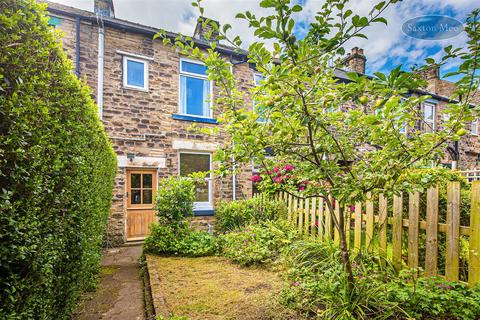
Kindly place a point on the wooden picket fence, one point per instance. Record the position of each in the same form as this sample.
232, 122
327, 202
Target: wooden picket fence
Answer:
313, 219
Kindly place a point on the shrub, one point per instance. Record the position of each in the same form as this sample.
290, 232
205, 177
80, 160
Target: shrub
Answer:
174, 201
258, 244
317, 283
236, 214
57, 168
182, 240
435, 298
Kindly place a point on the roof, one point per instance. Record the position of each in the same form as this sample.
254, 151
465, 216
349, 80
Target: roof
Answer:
126, 25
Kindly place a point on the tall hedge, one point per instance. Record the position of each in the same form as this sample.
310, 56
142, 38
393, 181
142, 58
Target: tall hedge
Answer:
57, 169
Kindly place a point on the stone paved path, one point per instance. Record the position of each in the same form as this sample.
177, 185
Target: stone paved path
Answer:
120, 292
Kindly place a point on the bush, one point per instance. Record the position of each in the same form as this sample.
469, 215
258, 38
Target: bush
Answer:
57, 169
317, 283
435, 298
237, 214
258, 244
184, 241
174, 201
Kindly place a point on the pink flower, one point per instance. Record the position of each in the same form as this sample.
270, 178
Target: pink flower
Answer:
278, 179
301, 187
276, 169
256, 178
289, 167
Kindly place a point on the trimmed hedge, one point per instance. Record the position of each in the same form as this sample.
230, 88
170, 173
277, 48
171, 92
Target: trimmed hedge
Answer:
57, 169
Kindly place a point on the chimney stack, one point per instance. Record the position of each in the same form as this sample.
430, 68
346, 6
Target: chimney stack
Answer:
104, 8
355, 61
431, 72
204, 28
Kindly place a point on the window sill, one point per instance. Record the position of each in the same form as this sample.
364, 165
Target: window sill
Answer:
186, 117
203, 212
135, 89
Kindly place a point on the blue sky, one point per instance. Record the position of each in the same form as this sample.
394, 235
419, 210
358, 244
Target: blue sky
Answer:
386, 48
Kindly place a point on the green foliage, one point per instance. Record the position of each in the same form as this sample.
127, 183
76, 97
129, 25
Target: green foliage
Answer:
434, 298
179, 240
174, 201
318, 284
233, 215
57, 169
258, 244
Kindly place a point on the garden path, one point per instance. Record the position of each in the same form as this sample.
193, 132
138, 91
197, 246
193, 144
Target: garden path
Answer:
120, 293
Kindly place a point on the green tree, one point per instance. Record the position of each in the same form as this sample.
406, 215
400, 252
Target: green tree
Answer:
329, 137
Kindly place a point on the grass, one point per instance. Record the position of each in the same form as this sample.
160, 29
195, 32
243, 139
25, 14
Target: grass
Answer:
211, 288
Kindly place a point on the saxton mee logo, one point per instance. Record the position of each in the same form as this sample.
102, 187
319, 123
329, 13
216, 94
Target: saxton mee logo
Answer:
432, 27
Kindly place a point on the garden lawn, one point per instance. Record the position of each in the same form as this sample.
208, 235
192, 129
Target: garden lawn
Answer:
214, 288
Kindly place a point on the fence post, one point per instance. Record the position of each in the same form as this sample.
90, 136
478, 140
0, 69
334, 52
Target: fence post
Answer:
347, 217
369, 222
474, 247
295, 211
431, 247
321, 224
382, 233
306, 214
397, 232
453, 231
313, 218
290, 207
358, 226
413, 216
336, 234
300, 217
328, 222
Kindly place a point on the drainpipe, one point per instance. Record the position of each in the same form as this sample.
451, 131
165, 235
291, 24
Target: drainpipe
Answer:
77, 47
101, 52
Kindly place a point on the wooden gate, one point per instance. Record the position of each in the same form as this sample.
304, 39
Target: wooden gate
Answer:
141, 188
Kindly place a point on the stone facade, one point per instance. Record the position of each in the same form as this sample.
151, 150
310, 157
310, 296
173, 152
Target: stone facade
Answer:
142, 122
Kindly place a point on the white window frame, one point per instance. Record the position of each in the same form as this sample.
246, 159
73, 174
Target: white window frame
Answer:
434, 108
198, 76
474, 125
126, 58
197, 206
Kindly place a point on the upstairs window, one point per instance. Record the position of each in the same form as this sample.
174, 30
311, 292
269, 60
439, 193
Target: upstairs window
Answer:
195, 89
135, 73
474, 127
429, 116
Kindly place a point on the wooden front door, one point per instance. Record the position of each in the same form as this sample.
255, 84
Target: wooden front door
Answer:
141, 188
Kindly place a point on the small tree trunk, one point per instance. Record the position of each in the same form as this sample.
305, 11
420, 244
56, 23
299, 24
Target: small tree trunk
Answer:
340, 225
347, 265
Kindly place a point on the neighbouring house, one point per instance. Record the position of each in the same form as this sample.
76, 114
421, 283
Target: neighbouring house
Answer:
149, 95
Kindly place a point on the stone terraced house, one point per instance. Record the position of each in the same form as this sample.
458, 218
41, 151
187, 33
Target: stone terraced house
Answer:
148, 97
